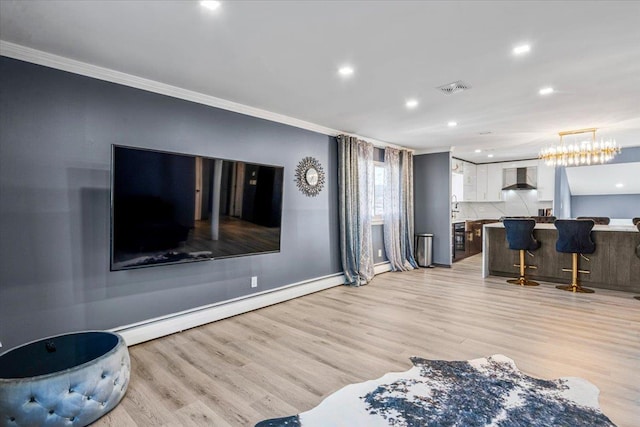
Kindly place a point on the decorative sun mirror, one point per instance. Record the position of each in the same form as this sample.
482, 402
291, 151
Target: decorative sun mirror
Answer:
310, 176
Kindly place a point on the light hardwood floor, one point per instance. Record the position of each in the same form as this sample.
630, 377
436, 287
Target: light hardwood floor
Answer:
286, 358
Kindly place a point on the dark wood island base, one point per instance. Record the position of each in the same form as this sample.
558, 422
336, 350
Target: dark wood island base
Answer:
613, 265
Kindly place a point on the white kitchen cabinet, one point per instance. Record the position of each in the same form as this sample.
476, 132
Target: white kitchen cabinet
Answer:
457, 180
469, 174
546, 182
457, 188
481, 182
494, 182
457, 165
463, 181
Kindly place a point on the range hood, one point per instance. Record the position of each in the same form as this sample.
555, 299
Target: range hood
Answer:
520, 178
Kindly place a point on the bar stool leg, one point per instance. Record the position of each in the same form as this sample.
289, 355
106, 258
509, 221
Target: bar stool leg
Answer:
574, 286
522, 281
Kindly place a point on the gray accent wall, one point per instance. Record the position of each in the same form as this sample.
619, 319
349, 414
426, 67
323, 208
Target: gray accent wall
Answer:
377, 239
612, 206
56, 133
432, 189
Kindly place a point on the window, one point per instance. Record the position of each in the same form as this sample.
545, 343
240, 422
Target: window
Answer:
378, 193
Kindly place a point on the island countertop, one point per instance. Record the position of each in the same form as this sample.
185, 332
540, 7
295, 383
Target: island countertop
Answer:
613, 265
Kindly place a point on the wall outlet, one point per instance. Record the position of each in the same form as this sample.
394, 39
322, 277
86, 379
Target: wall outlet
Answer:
254, 281
379, 253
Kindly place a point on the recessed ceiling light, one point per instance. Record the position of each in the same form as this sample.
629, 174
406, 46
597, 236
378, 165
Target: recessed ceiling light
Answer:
452, 124
489, 155
411, 103
519, 50
210, 4
346, 70
546, 91
619, 185
478, 151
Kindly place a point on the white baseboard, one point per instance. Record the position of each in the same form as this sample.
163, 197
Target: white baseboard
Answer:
176, 322
166, 325
383, 267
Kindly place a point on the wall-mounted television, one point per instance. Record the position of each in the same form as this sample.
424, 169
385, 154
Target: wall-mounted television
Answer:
169, 208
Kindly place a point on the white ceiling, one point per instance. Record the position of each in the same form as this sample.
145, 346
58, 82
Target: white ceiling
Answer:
283, 57
602, 179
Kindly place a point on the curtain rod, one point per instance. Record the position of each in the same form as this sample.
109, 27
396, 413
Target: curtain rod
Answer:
377, 143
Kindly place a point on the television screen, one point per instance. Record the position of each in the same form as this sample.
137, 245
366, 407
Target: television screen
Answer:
171, 208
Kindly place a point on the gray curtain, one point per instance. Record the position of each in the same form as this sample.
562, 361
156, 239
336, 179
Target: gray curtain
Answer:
355, 183
398, 209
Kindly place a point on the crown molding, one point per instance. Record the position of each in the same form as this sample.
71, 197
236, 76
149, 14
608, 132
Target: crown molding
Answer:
39, 57
434, 150
46, 59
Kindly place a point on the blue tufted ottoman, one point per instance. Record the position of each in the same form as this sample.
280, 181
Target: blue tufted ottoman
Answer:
66, 380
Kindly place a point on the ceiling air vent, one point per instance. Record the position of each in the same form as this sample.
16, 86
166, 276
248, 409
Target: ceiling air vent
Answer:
455, 87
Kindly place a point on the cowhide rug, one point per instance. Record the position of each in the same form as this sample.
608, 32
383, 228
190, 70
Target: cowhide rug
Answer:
480, 392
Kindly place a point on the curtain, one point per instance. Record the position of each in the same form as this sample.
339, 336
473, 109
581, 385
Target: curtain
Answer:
355, 183
398, 209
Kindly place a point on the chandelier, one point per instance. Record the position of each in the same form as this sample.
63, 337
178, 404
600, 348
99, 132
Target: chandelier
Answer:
583, 153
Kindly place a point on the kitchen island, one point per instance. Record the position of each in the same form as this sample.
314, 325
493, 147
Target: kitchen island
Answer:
613, 265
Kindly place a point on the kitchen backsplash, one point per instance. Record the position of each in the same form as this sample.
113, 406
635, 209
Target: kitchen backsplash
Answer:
516, 203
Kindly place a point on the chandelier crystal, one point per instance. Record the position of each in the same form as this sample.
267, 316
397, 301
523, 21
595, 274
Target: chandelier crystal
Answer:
583, 153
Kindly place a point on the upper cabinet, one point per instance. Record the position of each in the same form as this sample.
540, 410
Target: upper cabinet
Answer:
457, 180
546, 182
481, 182
489, 182
494, 182
469, 182
477, 183
463, 188
484, 182
457, 187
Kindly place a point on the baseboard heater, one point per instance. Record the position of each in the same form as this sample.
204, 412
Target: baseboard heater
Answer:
150, 329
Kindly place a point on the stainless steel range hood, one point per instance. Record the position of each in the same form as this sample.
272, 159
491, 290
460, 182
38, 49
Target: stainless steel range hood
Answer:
520, 178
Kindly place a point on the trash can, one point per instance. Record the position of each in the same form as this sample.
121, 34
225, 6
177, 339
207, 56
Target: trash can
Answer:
424, 249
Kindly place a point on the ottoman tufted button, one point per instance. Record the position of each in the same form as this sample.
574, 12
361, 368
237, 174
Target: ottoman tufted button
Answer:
32, 399
12, 418
51, 411
72, 418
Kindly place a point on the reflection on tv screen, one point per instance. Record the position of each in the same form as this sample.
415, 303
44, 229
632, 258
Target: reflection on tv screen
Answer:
173, 208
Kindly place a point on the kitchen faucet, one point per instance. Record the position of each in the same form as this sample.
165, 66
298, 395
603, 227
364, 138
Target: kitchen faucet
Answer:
454, 206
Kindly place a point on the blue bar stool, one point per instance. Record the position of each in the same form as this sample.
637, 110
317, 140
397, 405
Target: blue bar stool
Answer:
574, 237
520, 238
